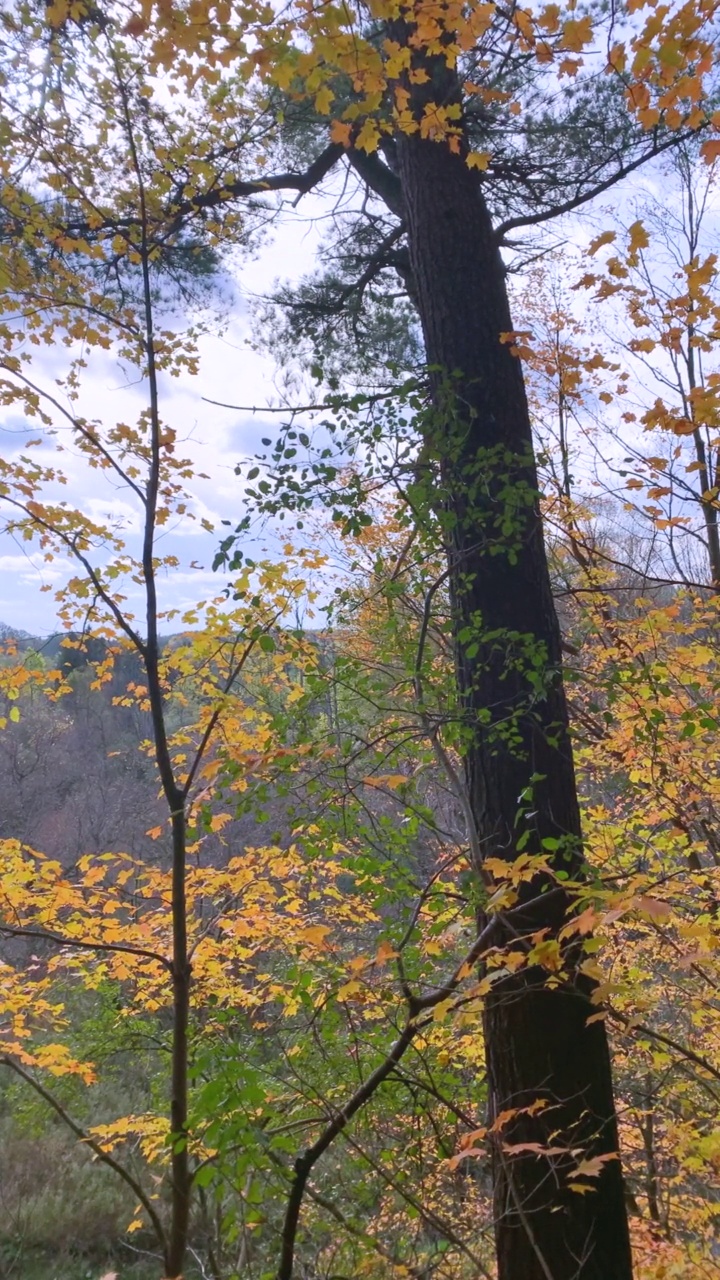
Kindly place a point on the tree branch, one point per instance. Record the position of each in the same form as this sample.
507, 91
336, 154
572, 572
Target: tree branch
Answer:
417, 1005
300, 182
545, 215
380, 178
60, 940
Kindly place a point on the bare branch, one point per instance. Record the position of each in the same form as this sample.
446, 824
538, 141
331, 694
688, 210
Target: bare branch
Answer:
584, 197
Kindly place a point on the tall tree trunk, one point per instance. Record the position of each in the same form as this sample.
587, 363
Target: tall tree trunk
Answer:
518, 758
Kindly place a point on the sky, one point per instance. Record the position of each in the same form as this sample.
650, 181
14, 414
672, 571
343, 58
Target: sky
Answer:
215, 438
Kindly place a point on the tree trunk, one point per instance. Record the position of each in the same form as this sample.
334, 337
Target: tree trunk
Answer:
514, 726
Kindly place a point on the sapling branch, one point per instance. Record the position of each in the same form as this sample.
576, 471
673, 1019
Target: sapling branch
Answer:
98, 1151
79, 425
60, 940
305, 1163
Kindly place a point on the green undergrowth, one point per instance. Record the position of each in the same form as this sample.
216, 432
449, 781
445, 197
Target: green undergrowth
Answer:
42, 1266
61, 1216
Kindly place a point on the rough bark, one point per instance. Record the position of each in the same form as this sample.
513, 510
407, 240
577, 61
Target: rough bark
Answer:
518, 757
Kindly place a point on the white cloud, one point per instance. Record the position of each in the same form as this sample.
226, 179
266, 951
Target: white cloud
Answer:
214, 439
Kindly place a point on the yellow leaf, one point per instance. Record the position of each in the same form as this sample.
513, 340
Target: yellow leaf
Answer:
576, 33
478, 160
316, 934
549, 18
606, 237
547, 953
351, 988
442, 1009
368, 137
433, 947
57, 13
639, 238
324, 99
154, 832
284, 74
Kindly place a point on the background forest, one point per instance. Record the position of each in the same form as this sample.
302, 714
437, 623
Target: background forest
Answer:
330, 869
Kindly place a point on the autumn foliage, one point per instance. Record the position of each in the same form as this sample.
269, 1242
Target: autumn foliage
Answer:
295, 930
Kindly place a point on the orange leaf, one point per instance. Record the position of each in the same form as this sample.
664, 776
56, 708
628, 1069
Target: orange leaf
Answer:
340, 132
710, 150
391, 780
653, 907
385, 951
